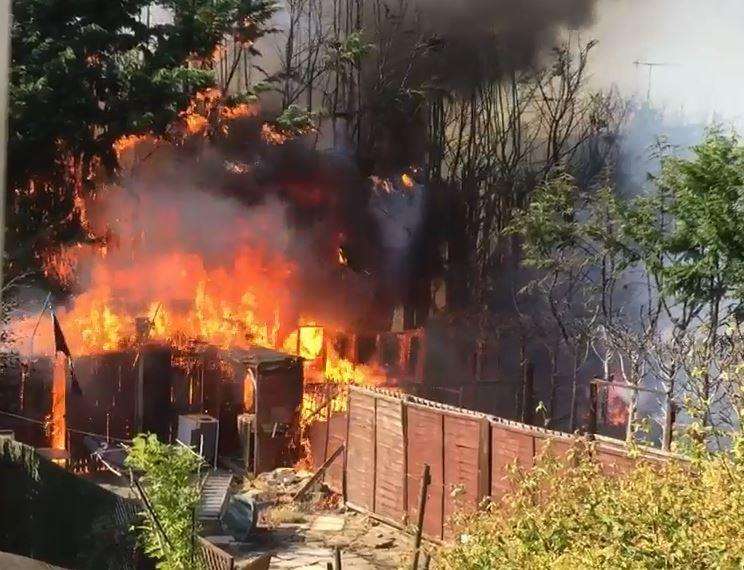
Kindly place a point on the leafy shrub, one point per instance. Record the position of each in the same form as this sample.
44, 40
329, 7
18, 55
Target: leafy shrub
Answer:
169, 479
569, 514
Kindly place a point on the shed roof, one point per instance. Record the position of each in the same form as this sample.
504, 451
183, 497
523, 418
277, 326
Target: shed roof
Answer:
261, 355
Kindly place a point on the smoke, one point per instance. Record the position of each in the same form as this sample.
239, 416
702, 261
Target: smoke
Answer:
483, 38
236, 228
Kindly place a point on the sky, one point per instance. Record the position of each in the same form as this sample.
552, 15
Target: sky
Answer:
703, 40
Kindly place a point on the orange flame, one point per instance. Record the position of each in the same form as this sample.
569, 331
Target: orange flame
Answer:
241, 299
272, 135
617, 407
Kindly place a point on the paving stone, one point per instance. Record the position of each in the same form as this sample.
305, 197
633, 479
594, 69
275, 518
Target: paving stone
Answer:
327, 523
220, 540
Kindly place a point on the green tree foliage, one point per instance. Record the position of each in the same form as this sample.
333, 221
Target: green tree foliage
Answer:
170, 480
656, 280
706, 243
85, 74
571, 515
295, 121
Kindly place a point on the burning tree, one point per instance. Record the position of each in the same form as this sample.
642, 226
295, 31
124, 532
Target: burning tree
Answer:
83, 76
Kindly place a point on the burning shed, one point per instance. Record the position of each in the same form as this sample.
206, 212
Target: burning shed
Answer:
121, 393
126, 392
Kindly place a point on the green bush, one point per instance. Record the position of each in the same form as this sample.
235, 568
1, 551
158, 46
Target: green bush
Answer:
568, 514
170, 481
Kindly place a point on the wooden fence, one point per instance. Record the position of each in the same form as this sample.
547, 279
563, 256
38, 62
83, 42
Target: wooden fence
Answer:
212, 557
390, 437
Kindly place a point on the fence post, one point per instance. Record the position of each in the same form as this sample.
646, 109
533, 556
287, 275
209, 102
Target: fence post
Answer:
425, 481
528, 392
593, 389
669, 413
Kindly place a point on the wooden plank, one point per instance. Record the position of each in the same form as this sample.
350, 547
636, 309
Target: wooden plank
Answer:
390, 452
462, 466
360, 464
614, 461
425, 445
508, 447
335, 473
317, 475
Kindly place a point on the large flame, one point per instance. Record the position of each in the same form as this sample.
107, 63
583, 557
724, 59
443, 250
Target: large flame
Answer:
241, 304
142, 282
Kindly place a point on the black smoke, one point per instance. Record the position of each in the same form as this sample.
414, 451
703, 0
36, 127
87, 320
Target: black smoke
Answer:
463, 42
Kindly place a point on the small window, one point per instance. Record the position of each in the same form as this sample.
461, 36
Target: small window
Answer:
366, 346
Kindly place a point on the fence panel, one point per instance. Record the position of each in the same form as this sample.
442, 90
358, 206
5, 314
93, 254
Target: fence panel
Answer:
390, 475
614, 461
465, 464
334, 477
211, 557
361, 450
52, 515
508, 446
469, 456
425, 445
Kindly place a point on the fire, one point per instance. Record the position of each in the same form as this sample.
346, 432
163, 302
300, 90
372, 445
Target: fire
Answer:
306, 341
59, 265
57, 419
196, 124
617, 407
272, 135
236, 305
101, 328
241, 111
126, 145
210, 104
389, 186
153, 277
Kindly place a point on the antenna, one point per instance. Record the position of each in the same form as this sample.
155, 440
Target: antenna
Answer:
651, 65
